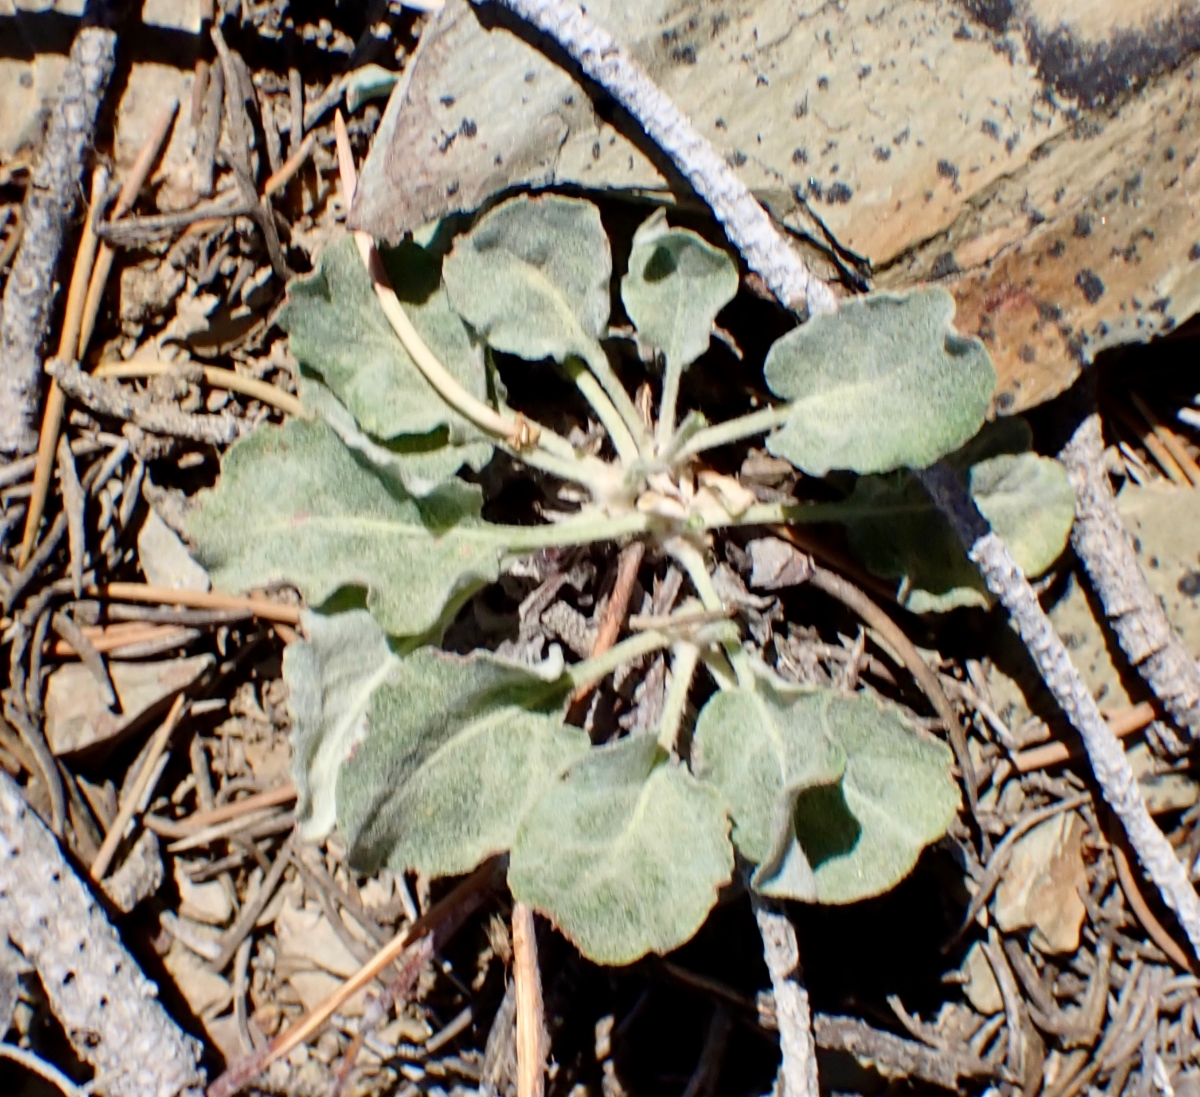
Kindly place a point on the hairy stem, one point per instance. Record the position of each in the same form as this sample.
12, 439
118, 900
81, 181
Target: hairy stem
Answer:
691, 559
599, 364
733, 430
665, 429
600, 666
684, 658
612, 420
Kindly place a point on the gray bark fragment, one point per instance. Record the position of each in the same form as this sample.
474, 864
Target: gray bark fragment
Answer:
1102, 545
107, 1007
49, 203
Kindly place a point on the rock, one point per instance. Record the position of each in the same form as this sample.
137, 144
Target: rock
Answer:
1040, 885
164, 558
206, 902
202, 988
981, 988
77, 719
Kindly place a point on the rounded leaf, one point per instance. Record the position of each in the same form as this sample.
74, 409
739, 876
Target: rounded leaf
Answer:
531, 277
884, 383
676, 285
337, 330
758, 747
625, 853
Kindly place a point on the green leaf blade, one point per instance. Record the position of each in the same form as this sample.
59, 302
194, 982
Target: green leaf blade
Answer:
625, 853
866, 797
750, 744
457, 752
897, 788
338, 331
884, 383
676, 284
330, 678
532, 278
295, 505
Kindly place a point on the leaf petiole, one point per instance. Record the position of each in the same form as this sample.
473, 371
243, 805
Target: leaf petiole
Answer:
733, 430
592, 670
691, 559
685, 657
592, 391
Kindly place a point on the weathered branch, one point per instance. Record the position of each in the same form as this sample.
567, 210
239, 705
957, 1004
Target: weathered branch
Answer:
749, 227
1133, 610
53, 190
107, 1007
1109, 764
793, 1014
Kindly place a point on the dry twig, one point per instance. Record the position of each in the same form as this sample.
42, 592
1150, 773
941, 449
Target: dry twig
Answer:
531, 1073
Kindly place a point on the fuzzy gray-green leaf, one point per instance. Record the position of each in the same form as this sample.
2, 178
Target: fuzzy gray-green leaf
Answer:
625, 853
456, 751
883, 383
422, 462
815, 837
676, 285
330, 676
532, 278
863, 836
901, 536
759, 749
295, 505
338, 331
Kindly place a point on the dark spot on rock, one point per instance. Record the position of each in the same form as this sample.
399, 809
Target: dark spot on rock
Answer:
447, 100
739, 158
760, 81
1111, 195
684, 55
1057, 250
595, 150
990, 128
1154, 562
800, 110
834, 170
944, 265
1083, 225
947, 170
901, 137
1048, 312
452, 188
962, 32
882, 153
1036, 217
468, 128
1027, 354
1089, 282
1137, 543
568, 100
800, 156
814, 187
1005, 400
839, 194
993, 14
865, 71
1011, 143
1169, 155
1098, 73
822, 83
1059, 195
1194, 252
530, 76
720, 124
1132, 186
1189, 584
